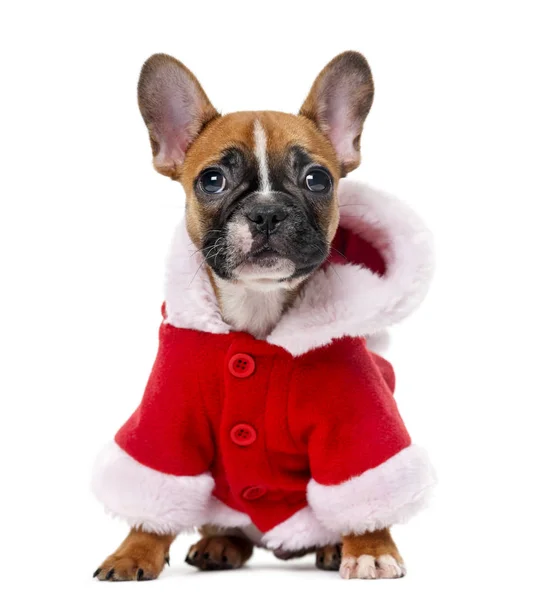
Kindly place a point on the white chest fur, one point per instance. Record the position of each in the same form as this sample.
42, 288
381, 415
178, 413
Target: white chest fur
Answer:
255, 310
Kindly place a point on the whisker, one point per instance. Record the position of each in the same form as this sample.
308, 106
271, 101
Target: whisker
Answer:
202, 250
327, 260
216, 245
196, 272
207, 232
334, 270
338, 252
218, 252
209, 255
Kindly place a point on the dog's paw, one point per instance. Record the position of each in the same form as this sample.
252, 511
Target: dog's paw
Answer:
291, 554
369, 567
219, 553
140, 558
130, 567
329, 558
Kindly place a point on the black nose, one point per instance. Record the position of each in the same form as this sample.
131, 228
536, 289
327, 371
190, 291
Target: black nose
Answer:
267, 217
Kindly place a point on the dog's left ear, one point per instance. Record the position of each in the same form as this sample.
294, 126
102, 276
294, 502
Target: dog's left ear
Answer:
174, 107
339, 102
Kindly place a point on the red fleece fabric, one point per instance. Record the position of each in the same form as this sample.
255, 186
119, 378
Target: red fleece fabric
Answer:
348, 247
328, 415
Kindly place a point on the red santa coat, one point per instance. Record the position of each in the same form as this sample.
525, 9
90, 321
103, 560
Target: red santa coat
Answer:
297, 434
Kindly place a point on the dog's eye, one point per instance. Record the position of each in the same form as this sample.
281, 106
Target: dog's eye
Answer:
213, 182
317, 180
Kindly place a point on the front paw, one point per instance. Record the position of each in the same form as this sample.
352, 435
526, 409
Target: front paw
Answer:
367, 566
141, 557
127, 568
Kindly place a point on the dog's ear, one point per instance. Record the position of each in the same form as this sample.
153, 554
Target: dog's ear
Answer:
174, 108
339, 102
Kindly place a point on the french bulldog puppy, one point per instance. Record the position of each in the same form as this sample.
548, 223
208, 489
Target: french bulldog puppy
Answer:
262, 211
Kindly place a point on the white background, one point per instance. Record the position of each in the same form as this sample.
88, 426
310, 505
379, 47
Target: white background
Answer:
462, 128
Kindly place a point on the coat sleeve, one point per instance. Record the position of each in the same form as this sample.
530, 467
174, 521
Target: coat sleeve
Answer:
155, 474
365, 472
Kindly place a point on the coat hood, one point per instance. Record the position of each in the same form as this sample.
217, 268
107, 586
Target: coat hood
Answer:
378, 272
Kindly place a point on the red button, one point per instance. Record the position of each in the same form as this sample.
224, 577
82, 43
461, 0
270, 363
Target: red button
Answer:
241, 365
254, 492
243, 434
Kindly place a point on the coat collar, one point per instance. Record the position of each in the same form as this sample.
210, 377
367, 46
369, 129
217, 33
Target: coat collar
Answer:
381, 271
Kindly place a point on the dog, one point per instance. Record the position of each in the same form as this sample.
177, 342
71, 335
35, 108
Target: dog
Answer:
262, 213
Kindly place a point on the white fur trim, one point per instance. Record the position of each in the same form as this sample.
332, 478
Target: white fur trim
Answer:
189, 295
381, 497
146, 498
302, 530
224, 516
346, 300
352, 300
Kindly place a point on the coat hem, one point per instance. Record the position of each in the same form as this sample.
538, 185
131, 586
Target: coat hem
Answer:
301, 530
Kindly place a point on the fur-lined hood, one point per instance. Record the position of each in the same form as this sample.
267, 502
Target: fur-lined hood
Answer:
378, 272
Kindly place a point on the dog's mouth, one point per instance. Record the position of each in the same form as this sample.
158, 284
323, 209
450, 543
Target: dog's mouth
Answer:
265, 264
293, 251
266, 255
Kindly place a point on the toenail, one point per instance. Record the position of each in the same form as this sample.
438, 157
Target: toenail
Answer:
206, 556
224, 558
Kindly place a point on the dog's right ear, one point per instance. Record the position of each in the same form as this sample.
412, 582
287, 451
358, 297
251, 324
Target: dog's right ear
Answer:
174, 108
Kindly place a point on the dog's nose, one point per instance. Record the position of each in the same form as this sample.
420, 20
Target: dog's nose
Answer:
267, 217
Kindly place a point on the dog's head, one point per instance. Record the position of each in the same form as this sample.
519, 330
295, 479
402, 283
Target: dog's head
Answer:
260, 186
